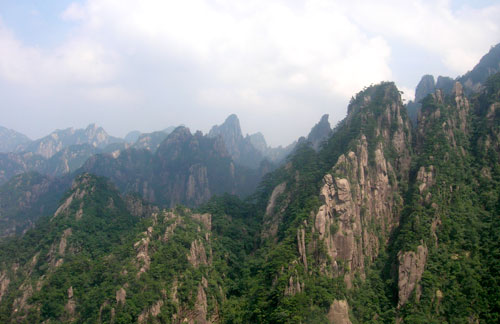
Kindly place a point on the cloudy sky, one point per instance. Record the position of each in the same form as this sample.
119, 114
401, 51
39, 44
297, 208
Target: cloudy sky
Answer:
278, 64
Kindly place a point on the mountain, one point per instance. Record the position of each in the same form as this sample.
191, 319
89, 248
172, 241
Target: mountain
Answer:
186, 168
381, 223
275, 155
320, 132
487, 66
12, 164
472, 81
10, 139
59, 153
27, 197
64, 162
150, 141
97, 260
132, 136
60, 139
241, 149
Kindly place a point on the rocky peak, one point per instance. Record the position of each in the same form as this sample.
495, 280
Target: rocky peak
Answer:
241, 149
258, 141
425, 87
445, 84
489, 64
362, 188
320, 132
230, 131
10, 139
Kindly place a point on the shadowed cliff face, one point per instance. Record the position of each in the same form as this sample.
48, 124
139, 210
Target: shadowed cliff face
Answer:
185, 169
320, 132
489, 64
239, 148
26, 198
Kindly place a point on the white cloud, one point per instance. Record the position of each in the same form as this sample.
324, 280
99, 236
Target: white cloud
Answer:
460, 37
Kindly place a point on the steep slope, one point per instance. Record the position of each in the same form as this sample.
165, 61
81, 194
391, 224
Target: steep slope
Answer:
26, 198
445, 241
239, 148
94, 261
473, 81
12, 164
10, 139
275, 155
487, 66
320, 132
328, 215
186, 168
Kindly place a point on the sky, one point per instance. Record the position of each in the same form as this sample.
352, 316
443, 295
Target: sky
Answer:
278, 64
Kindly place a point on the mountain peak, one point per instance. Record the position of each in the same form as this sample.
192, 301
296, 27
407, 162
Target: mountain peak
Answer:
229, 130
10, 139
320, 131
487, 66
426, 86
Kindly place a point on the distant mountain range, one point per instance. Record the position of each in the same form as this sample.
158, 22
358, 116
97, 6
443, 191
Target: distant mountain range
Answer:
166, 167
378, 220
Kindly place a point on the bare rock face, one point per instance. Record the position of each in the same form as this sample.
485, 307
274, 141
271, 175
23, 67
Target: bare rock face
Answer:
197, 255
137, 207
351, 204
319, 132
151, 312
361, 199
63, 243
411, 268
295, 285
338, 313
273, 216
121, 295
70, 306
201, 305
425, 178
197, 186
205, 219
142, 248
4, 283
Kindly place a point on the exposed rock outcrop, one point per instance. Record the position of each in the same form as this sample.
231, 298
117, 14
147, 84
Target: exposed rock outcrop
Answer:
142, 248
4, 283
320, 132
410, 270
121, 295
274, 212
197, 254
70, 306
339, 312
240, 148
361, 199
